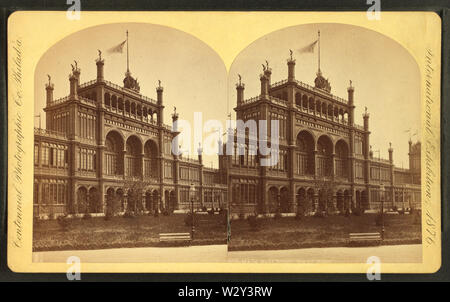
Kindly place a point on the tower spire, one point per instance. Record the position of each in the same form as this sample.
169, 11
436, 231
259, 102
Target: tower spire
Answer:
128, 65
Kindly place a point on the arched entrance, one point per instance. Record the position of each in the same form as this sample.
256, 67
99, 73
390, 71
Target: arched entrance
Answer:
166, 200
155, 200
110, 202
94, 205
284, 200
82, 200
364, 200
310, 199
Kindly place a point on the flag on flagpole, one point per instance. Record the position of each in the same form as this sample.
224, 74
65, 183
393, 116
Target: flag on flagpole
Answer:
309, 48
117, 48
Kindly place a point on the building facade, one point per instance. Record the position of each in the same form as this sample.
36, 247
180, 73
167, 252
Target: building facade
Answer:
324, 160
102, 138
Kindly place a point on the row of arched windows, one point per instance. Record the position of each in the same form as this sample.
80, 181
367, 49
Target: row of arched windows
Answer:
322, 108
131, 109
308, 151
135, 160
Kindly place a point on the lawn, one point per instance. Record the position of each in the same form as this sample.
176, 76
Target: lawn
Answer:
140, 231
331, 231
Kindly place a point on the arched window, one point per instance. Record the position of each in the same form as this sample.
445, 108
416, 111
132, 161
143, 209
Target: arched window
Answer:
298, 99
113, 156
107, 100
324, 153
150, 159
132, 157
341, 159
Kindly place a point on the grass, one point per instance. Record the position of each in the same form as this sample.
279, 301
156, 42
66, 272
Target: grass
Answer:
140, 231
331, 231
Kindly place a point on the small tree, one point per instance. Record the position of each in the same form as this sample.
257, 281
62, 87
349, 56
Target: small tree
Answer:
135, 190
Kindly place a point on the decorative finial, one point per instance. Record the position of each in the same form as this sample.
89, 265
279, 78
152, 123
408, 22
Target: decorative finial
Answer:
76, 64
174, 110
350, 83
264, 67
159, 83
390, 145
240, 79
290, 51
365, 109
267, 64
49, 79
73, 68
99, 54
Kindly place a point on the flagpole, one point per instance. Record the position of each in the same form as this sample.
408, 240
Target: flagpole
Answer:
128, 69
318, 39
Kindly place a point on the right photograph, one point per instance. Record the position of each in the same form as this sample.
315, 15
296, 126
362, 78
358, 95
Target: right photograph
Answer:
341, 108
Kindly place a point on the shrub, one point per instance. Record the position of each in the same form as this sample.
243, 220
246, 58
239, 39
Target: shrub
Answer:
319, 214
277, 215
401, 212
394, 208
156, 213
357, 211
165, 212
211, 212
128, 214
347, 212
254, 222
242, 216
300, 213
204, 209
64, 223
87, 216
411, 211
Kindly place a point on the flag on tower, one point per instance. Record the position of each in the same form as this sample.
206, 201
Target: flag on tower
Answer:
308, 48
117, 48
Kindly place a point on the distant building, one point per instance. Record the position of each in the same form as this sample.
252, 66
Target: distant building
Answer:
102, 135
319, 143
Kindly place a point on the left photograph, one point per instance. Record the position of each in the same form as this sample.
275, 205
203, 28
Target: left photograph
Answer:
111, 180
